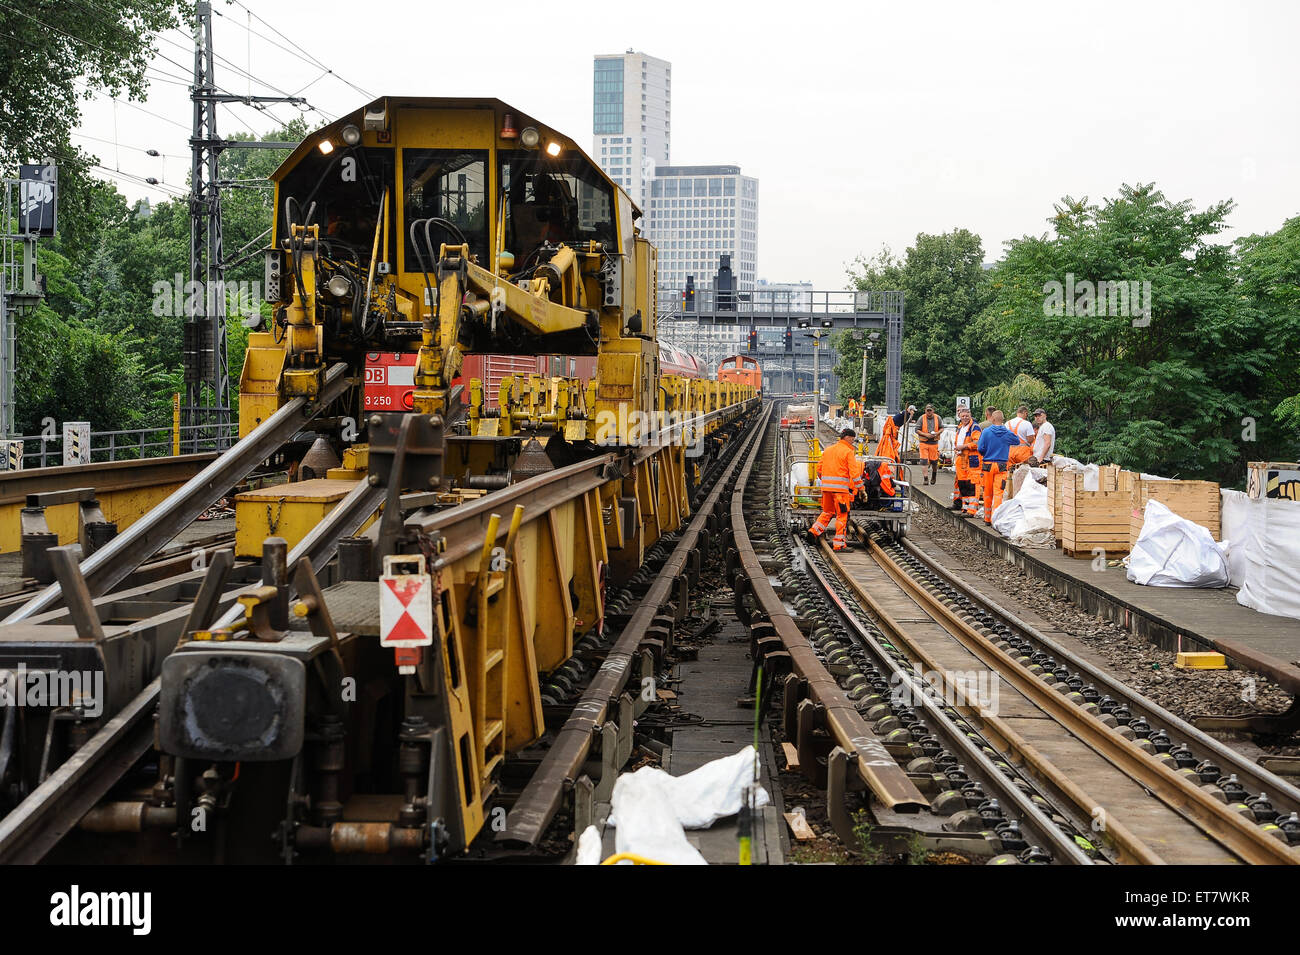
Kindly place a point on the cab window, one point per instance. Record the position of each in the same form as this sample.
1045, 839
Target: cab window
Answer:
343, 193
556, 200
448, 188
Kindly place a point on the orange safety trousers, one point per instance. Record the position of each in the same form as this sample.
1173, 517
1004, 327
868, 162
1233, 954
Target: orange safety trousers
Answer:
994, 481
835, 507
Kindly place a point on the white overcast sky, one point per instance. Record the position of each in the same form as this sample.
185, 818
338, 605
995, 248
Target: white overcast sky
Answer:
864, 122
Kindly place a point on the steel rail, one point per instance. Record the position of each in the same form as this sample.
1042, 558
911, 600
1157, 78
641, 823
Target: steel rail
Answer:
1059, 843
322, 541
541, 797
465, 527
1127, 847
1252, 776
55, 807
125, 552
51, 810
1221, 823
875, 766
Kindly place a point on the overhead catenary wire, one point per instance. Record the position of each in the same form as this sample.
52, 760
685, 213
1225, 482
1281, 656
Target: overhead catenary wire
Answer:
155, 73
187, 47
147, 151
301, 53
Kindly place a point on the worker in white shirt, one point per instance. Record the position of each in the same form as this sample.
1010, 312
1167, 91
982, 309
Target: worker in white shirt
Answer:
1044, 440
1021, 426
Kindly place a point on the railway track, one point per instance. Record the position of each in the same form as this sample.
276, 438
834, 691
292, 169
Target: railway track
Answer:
934, 719
930, 661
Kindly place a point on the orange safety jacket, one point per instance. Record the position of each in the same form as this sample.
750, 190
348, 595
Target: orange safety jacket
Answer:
967, 451
930, 424
839, 469
886, 482
887, 446
1019, 454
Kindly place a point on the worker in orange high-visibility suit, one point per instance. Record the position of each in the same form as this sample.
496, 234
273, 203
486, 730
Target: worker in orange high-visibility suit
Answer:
979, 478
928, 429
1019, 454
887, 446
967, 460
890, 444
841, 477
995, 442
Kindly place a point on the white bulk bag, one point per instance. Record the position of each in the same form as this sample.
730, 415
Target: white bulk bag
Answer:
1172, 551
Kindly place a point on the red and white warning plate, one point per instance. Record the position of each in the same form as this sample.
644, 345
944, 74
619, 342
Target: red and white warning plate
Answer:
405, 603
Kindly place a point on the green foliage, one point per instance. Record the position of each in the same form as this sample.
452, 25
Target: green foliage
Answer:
53, 55
73, 371
944, 288
106, 344
1023, 389
1269, 272
1166, 395
866, 848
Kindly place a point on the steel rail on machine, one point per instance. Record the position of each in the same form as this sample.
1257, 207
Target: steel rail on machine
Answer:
886, 779
125, 552
542, 796
1220, 822
54, 808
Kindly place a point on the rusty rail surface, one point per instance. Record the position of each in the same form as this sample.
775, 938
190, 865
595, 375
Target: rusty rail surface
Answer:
881, 773
1254, 777
1220, 821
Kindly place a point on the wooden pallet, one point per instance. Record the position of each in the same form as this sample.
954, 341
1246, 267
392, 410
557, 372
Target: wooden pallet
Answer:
1196, 501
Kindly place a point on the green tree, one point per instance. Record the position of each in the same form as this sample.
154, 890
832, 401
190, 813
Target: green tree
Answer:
53, 55
944, 290
1007, 396
1163, 391
1268, 268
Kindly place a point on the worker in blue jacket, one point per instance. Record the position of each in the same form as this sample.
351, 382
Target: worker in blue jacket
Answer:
995, 445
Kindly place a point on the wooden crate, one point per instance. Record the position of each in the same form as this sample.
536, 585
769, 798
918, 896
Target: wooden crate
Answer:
1091, 519
1110, 477
1197, 501
1054, 502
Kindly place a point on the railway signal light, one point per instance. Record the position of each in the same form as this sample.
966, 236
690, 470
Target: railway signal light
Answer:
753, 339
789, 340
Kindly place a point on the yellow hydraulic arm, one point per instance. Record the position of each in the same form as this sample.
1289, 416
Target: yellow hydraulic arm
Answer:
470, 293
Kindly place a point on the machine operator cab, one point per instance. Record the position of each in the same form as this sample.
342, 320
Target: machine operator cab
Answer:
390, 184
365, 207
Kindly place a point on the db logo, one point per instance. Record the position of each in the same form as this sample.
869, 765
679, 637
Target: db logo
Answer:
377, 375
